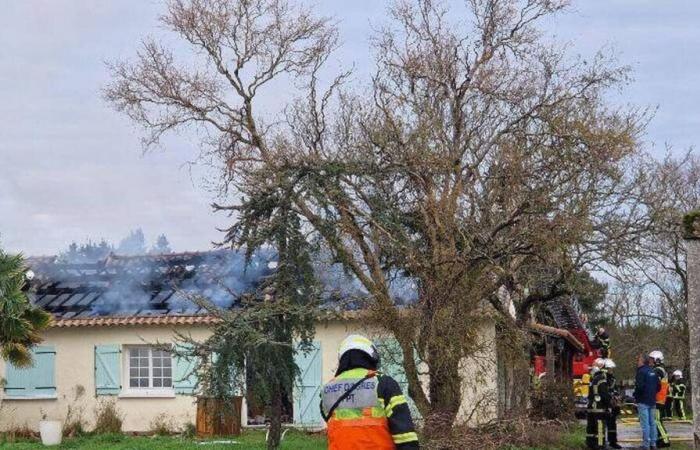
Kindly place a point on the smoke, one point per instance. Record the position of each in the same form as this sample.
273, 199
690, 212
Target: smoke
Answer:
344, 289
148, 285
154, 285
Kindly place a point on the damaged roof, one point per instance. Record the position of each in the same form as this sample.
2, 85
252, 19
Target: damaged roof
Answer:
144, 286
119, 289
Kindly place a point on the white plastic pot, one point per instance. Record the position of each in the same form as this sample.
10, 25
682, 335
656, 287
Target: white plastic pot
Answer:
51, 432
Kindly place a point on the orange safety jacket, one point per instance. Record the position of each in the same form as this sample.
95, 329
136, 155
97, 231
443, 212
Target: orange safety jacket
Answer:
663, 378
361, 420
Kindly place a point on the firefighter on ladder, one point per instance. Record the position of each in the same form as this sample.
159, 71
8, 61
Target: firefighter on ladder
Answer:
364, 409
677, 395
602, 341
660, 370
599, 402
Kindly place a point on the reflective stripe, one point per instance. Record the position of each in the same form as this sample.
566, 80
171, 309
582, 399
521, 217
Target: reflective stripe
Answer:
347, 413
393, 403
601, 433
405, 437
660, 427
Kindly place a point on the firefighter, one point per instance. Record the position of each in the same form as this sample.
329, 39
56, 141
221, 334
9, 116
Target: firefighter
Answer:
602, 341
660, 370
363, 408
598, 407
677, 395
615, 401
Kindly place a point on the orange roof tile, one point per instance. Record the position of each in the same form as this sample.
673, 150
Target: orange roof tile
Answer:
134, 320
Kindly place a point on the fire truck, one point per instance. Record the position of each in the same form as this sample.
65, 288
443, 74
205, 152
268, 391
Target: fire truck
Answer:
574, 350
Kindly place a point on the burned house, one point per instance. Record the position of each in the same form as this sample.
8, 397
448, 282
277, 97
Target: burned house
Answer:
109, 314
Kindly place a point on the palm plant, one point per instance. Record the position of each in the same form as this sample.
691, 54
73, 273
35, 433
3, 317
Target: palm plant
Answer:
20, 322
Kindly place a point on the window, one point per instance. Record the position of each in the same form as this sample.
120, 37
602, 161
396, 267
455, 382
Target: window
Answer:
149, 368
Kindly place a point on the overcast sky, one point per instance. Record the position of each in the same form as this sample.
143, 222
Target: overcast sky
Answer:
72, 169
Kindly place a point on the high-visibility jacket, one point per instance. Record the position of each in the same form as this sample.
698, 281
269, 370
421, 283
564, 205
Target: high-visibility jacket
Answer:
678, 389
375, 416
663, 378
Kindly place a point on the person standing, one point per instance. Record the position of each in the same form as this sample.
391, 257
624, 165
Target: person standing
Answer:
677, 395
658, 361
608, 367
364, 409
647, 385
598, 407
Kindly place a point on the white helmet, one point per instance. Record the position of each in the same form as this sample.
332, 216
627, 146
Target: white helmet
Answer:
609, 364
657, 356
599, 363
358, 342
678, 374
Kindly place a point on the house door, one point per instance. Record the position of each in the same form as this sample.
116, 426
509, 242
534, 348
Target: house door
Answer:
307, 388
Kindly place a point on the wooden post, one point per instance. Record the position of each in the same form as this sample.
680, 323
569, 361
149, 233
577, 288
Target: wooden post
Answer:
691, 224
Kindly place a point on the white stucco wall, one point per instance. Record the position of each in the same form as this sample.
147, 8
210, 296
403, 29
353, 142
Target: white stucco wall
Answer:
75, 366
479, 374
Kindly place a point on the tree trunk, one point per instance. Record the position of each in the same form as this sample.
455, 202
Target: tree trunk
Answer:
275, 434
444, 392
694, 329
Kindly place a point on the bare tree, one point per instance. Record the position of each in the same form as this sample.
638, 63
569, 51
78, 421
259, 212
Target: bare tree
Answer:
655, 266
482, 164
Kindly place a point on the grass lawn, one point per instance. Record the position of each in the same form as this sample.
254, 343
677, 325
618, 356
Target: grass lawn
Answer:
253, 440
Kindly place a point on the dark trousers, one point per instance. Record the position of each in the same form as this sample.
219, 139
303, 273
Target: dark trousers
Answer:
612, 425
678, 408
664, 440
668, 408
596, 424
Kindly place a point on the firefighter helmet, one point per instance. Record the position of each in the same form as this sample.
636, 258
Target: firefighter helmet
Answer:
657, 356
609, 364
678, 374
361, 343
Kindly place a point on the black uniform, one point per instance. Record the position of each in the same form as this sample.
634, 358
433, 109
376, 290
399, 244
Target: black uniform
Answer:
614, 409
677, 396
599, 402
602, 341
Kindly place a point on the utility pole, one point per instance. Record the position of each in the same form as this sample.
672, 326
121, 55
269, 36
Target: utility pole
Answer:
691, 224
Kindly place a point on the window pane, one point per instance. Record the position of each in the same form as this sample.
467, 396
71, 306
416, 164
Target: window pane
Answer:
157, 382
157, 372
167, 372
167, 382
134, 382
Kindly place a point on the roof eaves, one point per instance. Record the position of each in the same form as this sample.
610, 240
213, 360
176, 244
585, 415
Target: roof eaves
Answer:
134, 321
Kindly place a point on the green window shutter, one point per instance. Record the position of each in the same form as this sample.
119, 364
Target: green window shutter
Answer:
391, 363
184, 376
35, 381
307, 388
108, 369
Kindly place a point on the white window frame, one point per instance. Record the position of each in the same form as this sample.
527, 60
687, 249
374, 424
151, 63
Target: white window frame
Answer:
140, 392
